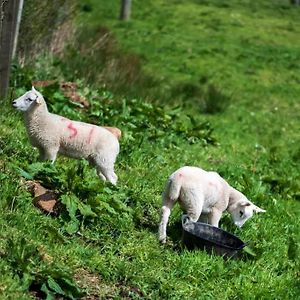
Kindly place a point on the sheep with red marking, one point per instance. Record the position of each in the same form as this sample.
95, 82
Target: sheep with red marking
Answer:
53, 134
203, 195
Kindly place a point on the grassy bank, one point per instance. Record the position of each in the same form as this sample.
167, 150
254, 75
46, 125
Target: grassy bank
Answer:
227, 77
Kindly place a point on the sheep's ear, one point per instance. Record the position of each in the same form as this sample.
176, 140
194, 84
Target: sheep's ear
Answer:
258, 209
245, 203
38, 100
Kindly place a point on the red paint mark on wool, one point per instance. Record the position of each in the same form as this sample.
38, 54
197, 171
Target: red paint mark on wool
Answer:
180, 174
70, 127
90, 135
73, 129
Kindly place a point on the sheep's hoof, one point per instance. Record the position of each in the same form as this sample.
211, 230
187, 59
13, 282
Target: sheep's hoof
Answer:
162, 240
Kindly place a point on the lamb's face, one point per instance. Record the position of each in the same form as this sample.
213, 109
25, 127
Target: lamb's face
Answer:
244, 210
27, 101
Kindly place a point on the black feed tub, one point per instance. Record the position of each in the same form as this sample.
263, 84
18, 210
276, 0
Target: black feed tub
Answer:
210, 238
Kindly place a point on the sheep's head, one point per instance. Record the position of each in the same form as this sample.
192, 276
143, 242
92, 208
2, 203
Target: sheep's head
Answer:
242, 211
27, 101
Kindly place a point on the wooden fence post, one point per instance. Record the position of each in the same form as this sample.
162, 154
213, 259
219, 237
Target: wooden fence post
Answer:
295, 2
125, 10
20, 4
8, 21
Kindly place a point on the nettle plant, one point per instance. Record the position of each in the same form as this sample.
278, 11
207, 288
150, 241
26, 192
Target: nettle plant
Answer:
141, 121
82, 199
47, 279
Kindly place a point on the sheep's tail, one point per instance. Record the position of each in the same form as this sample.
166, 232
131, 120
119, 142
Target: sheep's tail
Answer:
173, 188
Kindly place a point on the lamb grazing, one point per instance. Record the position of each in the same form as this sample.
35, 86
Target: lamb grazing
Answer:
53, 134
203, 195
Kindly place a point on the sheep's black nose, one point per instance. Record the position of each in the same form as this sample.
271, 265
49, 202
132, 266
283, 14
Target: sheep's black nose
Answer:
14, 103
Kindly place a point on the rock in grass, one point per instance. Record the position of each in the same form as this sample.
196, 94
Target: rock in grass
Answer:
43, 199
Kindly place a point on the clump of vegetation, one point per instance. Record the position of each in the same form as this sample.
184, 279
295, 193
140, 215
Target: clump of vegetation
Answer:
207, 97
50, 31
37, 272
108, 65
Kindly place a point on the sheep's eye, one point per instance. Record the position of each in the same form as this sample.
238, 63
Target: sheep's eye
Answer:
29, 99
241, 213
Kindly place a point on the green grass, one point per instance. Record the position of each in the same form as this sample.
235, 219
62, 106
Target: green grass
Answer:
228, 45
227, 75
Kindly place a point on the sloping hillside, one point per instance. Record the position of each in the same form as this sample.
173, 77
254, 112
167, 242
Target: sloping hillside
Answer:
201, 83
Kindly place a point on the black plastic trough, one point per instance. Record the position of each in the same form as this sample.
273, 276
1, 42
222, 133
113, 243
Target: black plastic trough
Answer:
210, 238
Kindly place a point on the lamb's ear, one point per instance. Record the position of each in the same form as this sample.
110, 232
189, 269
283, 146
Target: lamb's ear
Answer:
258, 209
38, 100
244, 203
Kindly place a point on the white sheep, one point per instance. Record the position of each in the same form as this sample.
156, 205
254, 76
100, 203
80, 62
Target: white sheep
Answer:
53, 134
203, 195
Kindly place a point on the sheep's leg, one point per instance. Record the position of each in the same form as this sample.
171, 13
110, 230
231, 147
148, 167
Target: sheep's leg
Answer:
165, 214
108, 173
41, 154
192, 202
48, 154
93, 163
105, 169
214, 217
101, 175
